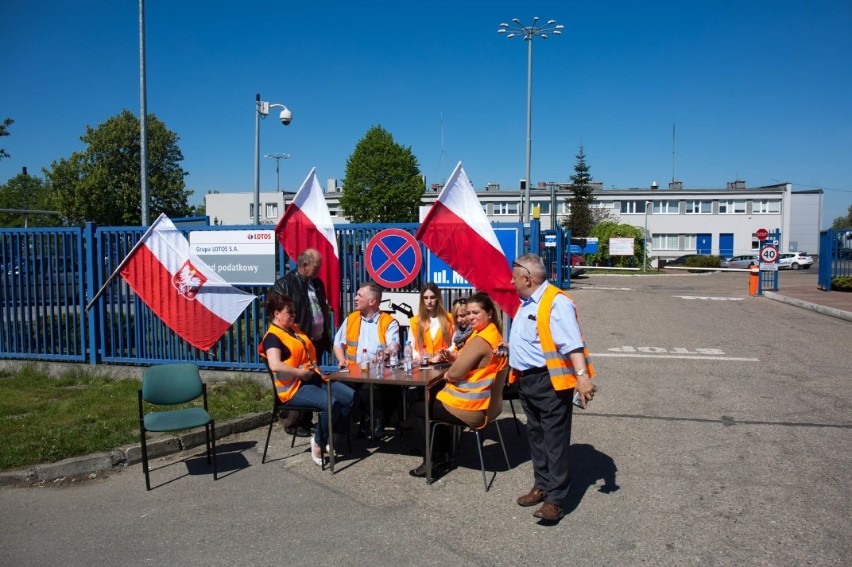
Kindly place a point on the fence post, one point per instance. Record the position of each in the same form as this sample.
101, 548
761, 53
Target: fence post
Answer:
92, 267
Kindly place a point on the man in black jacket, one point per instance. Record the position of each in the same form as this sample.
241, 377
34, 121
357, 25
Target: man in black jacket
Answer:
312, 316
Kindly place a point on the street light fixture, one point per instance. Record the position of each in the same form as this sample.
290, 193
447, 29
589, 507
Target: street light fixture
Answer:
277, 158
528, 33
261, 108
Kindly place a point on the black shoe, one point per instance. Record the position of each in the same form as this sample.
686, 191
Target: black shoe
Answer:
419, 472
378, 429
299, 432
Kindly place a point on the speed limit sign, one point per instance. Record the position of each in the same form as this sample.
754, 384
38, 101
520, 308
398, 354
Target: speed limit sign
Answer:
768, 254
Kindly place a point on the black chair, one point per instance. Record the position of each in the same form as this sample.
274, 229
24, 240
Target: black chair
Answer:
278, 407
510, 393
495, 408
174, 384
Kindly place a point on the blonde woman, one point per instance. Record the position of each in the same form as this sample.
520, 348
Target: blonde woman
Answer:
431, 329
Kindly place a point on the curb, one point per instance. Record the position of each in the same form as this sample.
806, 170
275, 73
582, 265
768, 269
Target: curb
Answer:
129, 454
831, 311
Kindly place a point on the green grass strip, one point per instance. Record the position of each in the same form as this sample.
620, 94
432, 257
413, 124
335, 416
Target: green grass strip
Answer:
44, 419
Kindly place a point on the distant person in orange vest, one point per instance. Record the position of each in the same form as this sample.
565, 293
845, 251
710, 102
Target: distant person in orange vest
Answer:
550, 361
465, 394
431, 330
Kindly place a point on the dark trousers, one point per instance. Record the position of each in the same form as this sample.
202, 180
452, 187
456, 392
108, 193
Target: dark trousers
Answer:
387, 400
549, 429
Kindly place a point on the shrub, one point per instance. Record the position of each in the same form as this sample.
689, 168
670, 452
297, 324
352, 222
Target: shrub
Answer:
841, 283
703, 262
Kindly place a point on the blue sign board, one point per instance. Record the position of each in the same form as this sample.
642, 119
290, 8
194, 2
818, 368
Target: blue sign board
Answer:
443, 275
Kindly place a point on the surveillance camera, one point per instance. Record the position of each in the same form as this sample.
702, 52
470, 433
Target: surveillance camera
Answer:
286, 117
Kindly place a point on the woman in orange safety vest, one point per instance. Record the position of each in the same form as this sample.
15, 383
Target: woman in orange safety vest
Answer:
431, 330
465, 395
291, 358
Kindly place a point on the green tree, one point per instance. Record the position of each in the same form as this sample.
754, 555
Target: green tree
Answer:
103, 182
28, 193
4, 131
581, 218
843, 222
606, 230
383, 181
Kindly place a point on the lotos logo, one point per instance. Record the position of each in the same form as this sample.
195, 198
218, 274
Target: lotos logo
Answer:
188, 280
260, 236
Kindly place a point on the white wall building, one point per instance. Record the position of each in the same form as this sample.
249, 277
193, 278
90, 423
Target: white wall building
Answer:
679, 221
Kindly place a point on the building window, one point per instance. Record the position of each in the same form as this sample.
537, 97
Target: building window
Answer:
633, 207
544, 207
665, 242
732, 207
251, 211
665, 207
699, 207
690, 242
272, 210
506, 208
766, 207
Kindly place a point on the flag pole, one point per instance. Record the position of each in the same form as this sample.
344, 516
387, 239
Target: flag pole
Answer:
123, 263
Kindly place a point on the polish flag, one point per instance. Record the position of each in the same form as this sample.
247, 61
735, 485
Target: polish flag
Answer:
458, 232
185, 293
307, 224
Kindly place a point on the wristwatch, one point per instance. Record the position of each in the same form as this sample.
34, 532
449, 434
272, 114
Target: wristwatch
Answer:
581, 372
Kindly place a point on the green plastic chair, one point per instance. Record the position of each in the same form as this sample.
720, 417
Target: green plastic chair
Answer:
173, 384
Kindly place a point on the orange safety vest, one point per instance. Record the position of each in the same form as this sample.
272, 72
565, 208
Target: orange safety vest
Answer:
353, 330
474, 391
302, 353
560, 367
432, 347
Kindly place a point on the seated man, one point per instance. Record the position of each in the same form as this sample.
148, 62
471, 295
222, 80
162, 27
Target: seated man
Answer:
368, 328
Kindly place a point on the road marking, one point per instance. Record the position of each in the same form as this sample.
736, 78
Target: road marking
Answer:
710, 298
601, 288
683, 356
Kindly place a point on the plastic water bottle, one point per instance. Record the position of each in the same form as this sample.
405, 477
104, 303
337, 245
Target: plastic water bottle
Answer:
377, 367
394, 358
364, 361
407, 361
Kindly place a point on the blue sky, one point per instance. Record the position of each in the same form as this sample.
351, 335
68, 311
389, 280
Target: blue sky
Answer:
758, 89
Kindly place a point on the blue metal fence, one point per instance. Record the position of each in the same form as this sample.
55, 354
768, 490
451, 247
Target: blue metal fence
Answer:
48, 276
41, 292
835, 255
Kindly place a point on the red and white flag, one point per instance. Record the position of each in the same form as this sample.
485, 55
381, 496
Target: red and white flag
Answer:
307, 224
189, 297
458, 232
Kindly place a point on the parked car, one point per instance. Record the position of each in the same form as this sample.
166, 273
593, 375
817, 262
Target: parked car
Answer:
795, 260
743, 261
681, 260
577, 265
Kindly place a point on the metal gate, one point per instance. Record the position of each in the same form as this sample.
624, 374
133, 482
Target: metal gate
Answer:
835, 255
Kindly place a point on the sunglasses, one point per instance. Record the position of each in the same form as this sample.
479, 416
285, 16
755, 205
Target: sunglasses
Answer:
460, 301
516, 265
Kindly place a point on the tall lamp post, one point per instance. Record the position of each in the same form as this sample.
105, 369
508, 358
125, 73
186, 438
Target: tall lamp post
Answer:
277, 158
261, 108
528, 33
645, 239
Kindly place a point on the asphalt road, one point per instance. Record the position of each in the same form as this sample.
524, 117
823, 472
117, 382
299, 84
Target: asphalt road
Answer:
720, 436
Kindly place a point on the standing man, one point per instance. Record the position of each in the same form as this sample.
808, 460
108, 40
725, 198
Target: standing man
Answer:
550, 360
308, 294
368, 328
